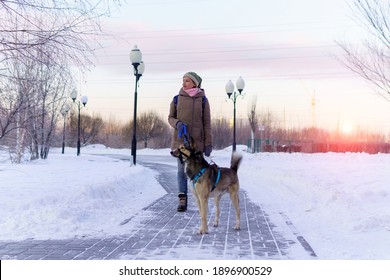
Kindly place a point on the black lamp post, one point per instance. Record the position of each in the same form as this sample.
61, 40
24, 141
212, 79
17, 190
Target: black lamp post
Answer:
64, 112
84, 100
139, 68
240, 84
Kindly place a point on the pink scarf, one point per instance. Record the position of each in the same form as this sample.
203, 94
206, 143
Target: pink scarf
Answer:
192, 91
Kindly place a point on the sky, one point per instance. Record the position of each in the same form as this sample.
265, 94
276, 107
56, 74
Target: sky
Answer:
339, 202
286, 52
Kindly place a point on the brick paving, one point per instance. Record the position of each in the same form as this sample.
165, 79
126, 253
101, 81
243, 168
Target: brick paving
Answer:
163, 233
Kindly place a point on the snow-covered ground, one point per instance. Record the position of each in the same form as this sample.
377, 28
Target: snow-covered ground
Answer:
340, 203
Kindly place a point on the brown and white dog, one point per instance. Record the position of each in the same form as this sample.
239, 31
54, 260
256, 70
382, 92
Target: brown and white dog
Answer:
209, 179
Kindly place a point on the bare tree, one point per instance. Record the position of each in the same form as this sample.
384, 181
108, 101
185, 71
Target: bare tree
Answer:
39, 41
253, 120
164, 140
149, 126
10, 106
32, 95
15, 105
69, 30
111, 134
13, 108
54, 87
372, 60
222, 133
90, 127
270, 122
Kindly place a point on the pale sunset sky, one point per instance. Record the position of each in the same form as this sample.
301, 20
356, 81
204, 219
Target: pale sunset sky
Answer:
285, 51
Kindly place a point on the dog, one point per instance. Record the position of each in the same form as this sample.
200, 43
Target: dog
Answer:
209, 179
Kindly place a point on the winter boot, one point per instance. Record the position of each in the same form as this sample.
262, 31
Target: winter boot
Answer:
182, 203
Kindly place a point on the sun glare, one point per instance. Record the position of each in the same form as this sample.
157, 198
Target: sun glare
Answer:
347, 128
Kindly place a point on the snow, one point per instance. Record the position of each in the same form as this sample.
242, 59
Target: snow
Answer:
340, 203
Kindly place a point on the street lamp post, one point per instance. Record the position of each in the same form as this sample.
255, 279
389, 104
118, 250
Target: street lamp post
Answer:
240, 84
139, 68
84, 100
64, 112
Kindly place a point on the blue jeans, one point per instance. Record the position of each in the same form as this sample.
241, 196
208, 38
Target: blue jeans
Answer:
181, 177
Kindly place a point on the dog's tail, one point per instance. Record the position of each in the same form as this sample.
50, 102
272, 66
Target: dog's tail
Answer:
235, 161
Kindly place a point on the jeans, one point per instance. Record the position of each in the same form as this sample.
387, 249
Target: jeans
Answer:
181, 177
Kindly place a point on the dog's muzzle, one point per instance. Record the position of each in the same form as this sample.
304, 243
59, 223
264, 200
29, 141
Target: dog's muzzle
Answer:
180, 155
176, 153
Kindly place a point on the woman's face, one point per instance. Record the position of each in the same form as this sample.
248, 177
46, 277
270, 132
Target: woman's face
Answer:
188, 83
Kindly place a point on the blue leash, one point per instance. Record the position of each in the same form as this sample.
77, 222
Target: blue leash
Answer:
183, 133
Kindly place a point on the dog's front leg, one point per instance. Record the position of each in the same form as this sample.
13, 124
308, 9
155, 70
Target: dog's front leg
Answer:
203, 215
197, 201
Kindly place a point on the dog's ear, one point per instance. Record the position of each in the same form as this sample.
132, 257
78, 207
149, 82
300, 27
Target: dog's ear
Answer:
192, 142
198, 153
187, 145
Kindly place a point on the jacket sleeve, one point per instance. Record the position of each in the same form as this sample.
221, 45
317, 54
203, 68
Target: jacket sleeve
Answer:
172, 117
208, 141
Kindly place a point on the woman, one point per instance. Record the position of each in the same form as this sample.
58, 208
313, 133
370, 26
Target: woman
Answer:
190, 113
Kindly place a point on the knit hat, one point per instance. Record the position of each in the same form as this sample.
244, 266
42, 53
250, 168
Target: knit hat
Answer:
195, 78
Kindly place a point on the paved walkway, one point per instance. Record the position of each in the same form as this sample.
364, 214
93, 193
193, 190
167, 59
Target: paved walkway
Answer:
167, 234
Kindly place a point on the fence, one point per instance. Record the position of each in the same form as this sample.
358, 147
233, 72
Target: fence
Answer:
298, 146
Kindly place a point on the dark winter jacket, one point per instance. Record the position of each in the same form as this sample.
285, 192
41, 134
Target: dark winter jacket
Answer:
195, 113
